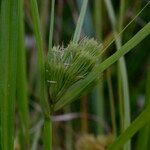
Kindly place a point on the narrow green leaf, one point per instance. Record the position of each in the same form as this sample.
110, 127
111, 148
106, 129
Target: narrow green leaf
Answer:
22, 99
9, 45
112, 105
51, 24
41, 73
122, 74
78, 29
41, 63
98, 107
4, 50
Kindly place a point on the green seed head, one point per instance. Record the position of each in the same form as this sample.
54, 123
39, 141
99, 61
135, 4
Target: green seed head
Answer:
66, 66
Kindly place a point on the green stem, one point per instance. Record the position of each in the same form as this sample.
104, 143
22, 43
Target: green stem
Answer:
9, 45
41, 71
51, 25
122, 76
78, 29
121, 114
48, 134
112, 105
99, 96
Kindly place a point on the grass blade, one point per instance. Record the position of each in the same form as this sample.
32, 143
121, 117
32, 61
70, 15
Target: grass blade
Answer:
4, 50
22, 99
98, 106
51, 25
122, 75
41, 72
41, 66
9, 45
78, 29
112, 105
99, 87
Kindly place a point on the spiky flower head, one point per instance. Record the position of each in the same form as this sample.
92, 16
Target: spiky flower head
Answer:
67, 66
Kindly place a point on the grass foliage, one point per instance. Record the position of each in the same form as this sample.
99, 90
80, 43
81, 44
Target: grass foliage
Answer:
64, 74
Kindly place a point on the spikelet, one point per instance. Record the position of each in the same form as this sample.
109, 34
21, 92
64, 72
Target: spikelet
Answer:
66, 66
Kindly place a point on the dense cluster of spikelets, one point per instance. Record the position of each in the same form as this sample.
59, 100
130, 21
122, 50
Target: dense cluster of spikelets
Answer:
67, 66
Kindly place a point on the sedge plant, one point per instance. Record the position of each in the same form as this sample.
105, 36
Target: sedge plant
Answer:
64, 75
68, 72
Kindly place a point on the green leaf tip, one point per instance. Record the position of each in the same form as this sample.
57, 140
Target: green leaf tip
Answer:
66, 66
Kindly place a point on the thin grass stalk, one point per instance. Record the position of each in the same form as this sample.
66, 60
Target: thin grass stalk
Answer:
41, 72
44, 17
51, 25
120, 90
78, 29
121, 15
99, 88
98, 19
121, 110
22, 99
47, 134
4, 49
112, 105
123, 80
87, 29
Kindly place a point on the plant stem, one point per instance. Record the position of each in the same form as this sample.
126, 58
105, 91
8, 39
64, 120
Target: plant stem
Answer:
78, 29
122, 75
99, 97
21, 96
41, 71
112, 105
51, 25
9, 45
48, 134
